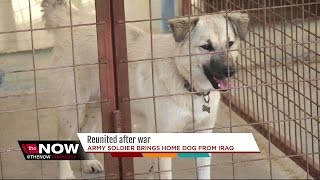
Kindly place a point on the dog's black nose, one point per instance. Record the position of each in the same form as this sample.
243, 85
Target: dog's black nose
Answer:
228, 71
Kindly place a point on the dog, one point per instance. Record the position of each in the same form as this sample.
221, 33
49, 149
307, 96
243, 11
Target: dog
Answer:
196, 80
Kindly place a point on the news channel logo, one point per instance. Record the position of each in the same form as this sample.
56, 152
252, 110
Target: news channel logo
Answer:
53, 150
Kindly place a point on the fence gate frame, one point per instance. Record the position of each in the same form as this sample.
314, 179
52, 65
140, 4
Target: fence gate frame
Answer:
114, 87
280, 142
114, 80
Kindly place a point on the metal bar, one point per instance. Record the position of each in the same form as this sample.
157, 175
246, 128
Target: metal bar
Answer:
35, 80
282, 45
157, 19
49, 28
266, 87
260, 11
122, 77
283, 145
304, 100
152, 76
53, 107
107, 78
230, 92
75, 85
317, 93
186, 7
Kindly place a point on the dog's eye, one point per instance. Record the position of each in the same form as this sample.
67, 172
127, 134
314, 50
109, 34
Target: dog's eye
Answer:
207, 47
231, 43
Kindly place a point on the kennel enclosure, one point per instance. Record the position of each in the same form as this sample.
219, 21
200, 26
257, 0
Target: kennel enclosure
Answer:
276, 88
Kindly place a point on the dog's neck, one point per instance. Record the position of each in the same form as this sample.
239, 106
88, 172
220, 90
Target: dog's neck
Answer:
187, 85
170, 66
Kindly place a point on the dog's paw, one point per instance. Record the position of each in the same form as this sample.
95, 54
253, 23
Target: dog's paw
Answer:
92, 166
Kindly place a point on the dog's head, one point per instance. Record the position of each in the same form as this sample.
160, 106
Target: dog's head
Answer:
210, 38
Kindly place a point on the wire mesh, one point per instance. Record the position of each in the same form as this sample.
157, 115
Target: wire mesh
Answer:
275, 90
28, 106
278, 78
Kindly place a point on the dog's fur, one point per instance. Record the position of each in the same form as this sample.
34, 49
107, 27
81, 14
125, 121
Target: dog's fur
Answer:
173, 113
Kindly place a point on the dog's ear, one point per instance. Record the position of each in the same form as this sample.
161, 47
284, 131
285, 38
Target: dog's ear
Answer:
180, 27
240, 23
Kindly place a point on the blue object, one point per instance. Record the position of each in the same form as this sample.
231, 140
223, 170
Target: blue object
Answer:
167, 11
2, 74
193, 155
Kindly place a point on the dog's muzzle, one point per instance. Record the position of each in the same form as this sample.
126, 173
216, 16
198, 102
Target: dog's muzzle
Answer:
219, 70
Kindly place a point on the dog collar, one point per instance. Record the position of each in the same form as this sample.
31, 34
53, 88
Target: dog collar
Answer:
187, 85
206, 97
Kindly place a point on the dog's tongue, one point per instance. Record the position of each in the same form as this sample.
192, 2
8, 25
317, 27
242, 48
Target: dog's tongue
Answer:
223, 84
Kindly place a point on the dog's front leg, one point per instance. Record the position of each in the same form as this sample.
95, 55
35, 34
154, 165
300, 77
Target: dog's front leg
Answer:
65, 170
67, 127
203, 164
91, 118
203, 168
165, 165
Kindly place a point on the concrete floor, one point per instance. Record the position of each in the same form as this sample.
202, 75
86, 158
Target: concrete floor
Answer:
22, 126
244, 166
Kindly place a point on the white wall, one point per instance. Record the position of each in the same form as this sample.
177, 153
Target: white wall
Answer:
14, 15
7, 23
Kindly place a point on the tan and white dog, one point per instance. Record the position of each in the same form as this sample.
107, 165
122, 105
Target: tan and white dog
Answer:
172, 72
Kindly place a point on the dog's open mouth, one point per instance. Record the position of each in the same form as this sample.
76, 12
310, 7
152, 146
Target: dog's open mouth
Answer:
221, 83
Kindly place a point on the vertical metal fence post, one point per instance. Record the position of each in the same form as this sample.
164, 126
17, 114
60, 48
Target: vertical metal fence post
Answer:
114, 81
186, 7
122, 78
107, 78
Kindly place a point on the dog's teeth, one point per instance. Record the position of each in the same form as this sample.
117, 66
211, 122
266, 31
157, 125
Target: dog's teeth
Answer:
219, 85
